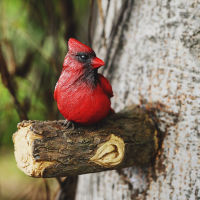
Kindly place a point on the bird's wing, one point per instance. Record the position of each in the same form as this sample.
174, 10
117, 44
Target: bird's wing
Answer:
105, 85
55, 92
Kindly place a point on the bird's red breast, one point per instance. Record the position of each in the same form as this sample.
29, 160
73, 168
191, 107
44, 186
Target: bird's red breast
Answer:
82, 95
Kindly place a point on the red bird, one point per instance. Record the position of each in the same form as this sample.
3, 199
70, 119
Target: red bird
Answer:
82, 95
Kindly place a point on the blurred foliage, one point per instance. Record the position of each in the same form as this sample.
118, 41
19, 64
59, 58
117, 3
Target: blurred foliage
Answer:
33, 39
15, 185
33, 43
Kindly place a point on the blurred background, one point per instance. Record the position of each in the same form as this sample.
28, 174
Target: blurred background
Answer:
33, 43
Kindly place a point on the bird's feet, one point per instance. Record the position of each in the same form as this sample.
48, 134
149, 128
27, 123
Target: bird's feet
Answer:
68, 124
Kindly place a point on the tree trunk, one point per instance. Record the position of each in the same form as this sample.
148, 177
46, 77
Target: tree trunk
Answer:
152, 50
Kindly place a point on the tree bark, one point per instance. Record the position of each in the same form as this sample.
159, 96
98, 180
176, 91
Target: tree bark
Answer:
152, 55
52, 150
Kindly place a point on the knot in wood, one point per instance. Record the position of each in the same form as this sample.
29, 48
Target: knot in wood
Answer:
110, 153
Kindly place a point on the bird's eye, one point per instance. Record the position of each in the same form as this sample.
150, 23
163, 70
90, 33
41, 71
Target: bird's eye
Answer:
83, 57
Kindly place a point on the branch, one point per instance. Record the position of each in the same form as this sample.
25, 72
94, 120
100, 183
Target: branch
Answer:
91, 16
65, 193
48, 149
9, 84
23, 69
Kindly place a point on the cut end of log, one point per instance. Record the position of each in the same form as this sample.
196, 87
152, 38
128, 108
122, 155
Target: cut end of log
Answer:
110, 153
23, 153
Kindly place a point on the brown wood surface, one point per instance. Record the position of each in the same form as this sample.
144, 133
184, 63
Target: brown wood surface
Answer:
49, 149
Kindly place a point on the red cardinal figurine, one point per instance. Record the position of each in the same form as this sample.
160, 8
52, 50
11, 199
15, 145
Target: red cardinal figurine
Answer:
82, 95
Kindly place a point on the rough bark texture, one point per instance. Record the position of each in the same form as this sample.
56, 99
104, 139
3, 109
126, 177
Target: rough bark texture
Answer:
152, 53
49, 149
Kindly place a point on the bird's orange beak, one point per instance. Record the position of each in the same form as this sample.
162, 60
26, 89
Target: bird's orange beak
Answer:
97, 62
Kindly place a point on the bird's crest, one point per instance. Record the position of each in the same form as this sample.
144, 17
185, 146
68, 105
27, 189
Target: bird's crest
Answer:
75, 46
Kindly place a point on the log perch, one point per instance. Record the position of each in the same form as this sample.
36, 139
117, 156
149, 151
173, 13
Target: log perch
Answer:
48, 149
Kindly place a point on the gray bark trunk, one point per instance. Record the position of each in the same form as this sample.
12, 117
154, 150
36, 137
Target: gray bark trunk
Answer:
152, 52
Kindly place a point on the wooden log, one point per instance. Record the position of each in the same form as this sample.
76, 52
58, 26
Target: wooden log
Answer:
49, 149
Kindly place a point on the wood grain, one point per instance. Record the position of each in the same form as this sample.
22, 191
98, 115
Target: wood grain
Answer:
49, 149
